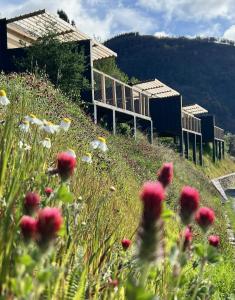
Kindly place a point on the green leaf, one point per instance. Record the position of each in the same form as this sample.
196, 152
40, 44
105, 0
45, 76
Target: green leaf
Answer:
200, 250
64, 195
25, 260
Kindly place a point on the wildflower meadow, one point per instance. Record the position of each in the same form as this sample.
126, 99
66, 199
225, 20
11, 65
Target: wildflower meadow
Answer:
85, 215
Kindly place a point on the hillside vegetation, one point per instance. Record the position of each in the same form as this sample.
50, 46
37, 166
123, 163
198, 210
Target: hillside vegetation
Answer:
202, 71
100, 206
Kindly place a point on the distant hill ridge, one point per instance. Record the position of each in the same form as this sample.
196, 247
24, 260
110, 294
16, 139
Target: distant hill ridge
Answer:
202, 70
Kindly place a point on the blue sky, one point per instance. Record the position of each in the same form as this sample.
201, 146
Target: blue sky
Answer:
105, 18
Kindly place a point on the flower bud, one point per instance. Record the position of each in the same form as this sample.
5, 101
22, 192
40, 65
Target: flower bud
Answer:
126, 244
48, 191
152, 196
66, 164
28, 227
165, 174
214, 240
31, 202
205, 217
150, 234
189, 203
49, 223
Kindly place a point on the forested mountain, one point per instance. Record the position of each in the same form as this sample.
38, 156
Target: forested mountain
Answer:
201, 69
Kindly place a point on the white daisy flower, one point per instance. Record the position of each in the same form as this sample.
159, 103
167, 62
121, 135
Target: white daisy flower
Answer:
46, 143
27, 147
87, 158
65, 124
33, 120
71, 152
24, 146
24, 126
3, 98
49, 127
100, 144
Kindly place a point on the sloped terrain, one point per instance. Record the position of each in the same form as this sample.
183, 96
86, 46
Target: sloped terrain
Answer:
98, 217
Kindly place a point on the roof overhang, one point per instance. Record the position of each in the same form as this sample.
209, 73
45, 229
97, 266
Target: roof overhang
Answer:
157, 89
25, 29
195, 109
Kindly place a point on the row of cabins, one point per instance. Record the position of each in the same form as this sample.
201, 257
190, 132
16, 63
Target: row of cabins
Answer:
151, 105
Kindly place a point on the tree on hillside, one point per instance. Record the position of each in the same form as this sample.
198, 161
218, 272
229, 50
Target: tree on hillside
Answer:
63, 63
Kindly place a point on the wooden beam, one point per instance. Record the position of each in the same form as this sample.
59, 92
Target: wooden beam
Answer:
140, 103
143, 105
123, 96
95, 114
182, 144
132, 101
200, 151
186, 135
26, 16
151, 132
194, 149
103, 91
220, 150
214, 151
114, 122
135, 127
114, 93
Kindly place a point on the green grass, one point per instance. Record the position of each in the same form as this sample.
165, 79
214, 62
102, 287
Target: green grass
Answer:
90, 246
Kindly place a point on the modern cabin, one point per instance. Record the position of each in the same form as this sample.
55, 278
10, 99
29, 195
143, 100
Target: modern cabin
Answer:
210, 132
171, 120
109, 98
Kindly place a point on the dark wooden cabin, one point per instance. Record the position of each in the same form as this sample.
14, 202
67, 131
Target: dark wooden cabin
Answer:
171, 120
210, 132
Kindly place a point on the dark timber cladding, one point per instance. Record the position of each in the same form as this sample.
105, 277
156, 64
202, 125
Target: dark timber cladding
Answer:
213, 134
170, 120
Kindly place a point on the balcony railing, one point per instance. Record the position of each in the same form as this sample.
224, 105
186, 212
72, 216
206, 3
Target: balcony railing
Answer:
218, 133
189, 122
116, 93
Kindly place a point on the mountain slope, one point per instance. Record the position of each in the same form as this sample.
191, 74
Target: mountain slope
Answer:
204, 72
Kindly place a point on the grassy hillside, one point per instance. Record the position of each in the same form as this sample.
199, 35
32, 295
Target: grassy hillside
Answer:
88, 251
202, 71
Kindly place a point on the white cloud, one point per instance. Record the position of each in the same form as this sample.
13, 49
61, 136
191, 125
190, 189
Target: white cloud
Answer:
192, 10
230, 33
87, 15
161, 34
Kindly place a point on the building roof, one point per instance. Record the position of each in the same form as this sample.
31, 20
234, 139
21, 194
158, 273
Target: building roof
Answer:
25, 29
194, 109
157, 89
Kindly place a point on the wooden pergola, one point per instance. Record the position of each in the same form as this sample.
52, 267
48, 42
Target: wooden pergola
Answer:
23, 30
156, 89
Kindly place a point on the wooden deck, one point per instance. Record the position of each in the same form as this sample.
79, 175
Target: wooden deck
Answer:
191, 123
112, 93
218, 133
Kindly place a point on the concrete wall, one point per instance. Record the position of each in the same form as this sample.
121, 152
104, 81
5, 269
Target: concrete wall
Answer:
223, 183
